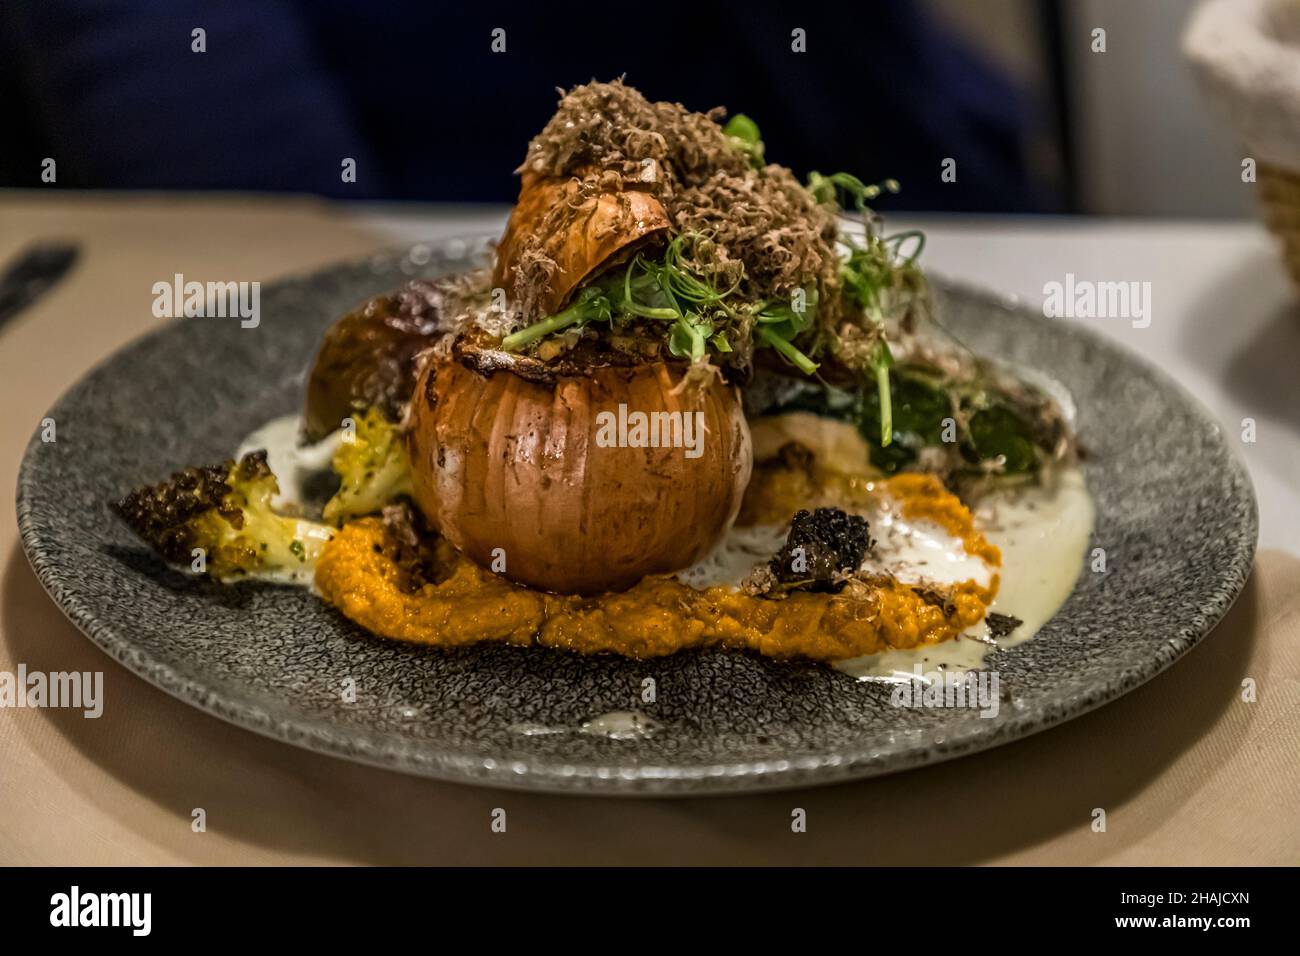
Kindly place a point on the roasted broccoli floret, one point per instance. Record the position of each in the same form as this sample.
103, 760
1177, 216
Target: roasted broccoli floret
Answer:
219, 519
822, 547
373, 467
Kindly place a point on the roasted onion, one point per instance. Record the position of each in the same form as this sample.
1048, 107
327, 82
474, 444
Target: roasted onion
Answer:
582, 235
517, 468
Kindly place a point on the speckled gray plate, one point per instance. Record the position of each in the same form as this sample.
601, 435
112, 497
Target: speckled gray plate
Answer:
1176, 515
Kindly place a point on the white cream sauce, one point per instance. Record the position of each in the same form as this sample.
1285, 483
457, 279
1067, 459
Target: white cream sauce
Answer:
291, 464
1043, 533
921, 552
742, 550
915, 552
621, 725
615, 725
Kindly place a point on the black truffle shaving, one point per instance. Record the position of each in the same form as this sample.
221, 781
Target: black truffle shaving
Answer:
824, 547
1000, 625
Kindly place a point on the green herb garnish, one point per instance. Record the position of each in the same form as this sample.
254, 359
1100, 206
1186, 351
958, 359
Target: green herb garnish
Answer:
745, 136
701, 314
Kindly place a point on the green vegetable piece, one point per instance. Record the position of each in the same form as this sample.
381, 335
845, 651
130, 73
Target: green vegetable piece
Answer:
916, 421
373, 469
222, 514
999, 431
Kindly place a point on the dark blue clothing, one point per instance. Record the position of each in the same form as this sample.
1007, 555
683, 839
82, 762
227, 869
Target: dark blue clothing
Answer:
413, 92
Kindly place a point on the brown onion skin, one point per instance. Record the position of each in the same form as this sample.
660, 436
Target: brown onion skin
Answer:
599, 232
370, 357
502, 461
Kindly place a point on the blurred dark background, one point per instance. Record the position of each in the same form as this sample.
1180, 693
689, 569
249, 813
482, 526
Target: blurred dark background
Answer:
414, 93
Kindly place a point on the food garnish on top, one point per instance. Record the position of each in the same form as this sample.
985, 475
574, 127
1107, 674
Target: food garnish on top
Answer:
653, 223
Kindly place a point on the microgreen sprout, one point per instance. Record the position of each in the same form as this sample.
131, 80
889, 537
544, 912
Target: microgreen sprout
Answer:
827, 189
745, 136
669, 289
591, 305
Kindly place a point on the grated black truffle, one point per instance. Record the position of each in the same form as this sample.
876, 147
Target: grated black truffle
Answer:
822, 548
765, 231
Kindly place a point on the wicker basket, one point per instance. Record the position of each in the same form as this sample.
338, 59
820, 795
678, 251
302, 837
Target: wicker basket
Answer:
1246, 56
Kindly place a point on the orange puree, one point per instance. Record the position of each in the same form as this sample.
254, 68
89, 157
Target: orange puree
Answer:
661, 615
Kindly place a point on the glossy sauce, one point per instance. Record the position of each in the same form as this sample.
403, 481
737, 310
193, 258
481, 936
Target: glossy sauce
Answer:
1043, 533
291, 464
